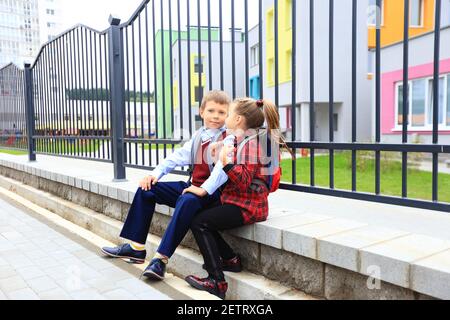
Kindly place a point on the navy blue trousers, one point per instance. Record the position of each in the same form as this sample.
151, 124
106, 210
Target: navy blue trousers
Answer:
186, 206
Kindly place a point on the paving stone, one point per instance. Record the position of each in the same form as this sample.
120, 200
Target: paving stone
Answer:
29, 273
11, 284
55, 294
119, 294
23, 294
42, 284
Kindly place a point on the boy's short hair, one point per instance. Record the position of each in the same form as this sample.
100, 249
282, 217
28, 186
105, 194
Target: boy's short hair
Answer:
216, 96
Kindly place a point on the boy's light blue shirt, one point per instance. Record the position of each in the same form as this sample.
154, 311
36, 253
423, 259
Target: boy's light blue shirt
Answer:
182, 157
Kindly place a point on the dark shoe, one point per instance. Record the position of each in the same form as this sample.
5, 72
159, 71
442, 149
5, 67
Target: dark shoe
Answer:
232, 265
156, 270
217, 288
126, 252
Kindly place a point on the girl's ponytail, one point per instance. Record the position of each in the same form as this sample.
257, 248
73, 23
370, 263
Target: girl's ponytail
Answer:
272, 118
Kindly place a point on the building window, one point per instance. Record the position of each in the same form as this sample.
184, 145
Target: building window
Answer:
254, 55
421, 103
270, 24
371, 62
373, 10
416, 13
400, 104
271, 71
418, 103
198, 65
442, 93
448, 100
174, 67
289, 64
51, 12
198, 93
288, 7
255, 92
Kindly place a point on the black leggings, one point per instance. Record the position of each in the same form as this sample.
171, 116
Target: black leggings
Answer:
206, 226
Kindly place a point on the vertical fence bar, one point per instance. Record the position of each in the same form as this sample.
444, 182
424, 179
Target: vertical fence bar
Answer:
209, 47
260, 49
199, 55
127, 94
437, 42
180, 73
294, 88
163, 82
172, 120
378, 97
29, 112
311, 81
233, 51
117, 84
133, 53
221, 44
102, 92
331, 88
276, 53
148, 83
354, 88
141, 88
247, 64
155, 80
405, 98
189, 66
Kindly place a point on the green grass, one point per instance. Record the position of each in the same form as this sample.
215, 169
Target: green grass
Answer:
78, 146
419, 182
13, 152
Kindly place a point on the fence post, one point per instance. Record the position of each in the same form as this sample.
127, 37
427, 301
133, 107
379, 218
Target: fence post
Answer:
29, 112
117, 92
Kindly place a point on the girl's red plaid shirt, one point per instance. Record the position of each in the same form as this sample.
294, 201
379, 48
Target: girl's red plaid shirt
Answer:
240, 191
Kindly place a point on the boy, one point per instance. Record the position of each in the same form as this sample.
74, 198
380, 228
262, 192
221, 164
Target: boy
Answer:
187, 198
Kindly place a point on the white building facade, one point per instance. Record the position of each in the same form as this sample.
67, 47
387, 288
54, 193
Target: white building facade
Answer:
19, 31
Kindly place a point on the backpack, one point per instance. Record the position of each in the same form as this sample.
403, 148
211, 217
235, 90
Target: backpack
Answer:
273, 181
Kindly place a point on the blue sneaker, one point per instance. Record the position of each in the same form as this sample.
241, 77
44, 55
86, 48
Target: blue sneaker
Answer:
156, 270
127, 253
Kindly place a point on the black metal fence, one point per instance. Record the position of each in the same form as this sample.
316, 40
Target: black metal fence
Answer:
129, 94
12, 105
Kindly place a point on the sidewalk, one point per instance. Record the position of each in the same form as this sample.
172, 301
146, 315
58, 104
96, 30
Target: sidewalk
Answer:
37, 262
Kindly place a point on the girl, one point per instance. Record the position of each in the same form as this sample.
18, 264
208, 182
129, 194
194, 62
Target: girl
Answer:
244, 200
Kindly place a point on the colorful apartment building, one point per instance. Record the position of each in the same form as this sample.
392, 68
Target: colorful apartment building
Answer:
421, 19
420, 72
193, 67
163, 73
342, 116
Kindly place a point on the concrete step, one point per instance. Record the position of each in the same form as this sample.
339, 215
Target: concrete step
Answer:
104, 231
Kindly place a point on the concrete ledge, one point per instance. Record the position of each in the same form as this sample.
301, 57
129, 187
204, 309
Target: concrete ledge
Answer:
409, 264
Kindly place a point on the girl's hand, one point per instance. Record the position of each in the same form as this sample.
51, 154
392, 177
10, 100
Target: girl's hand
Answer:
199, 192
224, 154
215, 150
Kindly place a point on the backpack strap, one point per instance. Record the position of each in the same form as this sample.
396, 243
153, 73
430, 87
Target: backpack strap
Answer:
275, 162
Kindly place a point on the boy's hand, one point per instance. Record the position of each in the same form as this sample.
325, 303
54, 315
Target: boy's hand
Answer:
147, 183
200, 192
